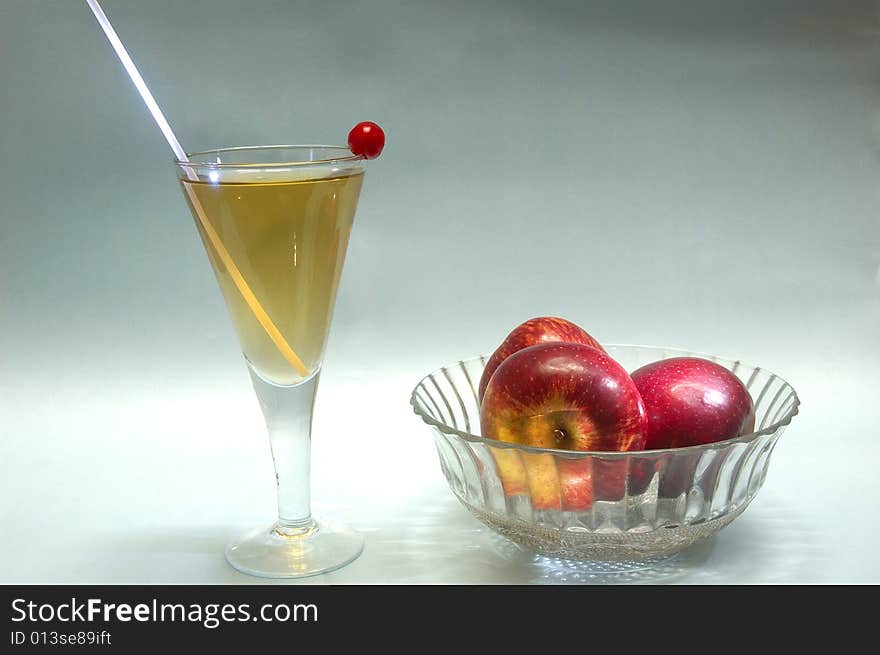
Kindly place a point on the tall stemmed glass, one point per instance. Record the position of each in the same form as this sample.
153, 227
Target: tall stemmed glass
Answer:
275, 222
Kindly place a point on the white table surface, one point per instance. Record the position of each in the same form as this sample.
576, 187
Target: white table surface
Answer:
688, 178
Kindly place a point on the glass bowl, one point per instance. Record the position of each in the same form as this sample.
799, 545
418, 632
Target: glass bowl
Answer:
641, 505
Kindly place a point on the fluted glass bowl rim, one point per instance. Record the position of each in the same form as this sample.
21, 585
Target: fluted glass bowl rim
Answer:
610, 454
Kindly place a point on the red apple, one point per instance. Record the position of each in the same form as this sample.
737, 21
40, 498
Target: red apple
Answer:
544, 329
692, 401
568, 396
576, 484
550, 483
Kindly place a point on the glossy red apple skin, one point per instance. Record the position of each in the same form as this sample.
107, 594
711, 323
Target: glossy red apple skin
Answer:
576, 484
564, 395
561, 396
692, 401
543, 329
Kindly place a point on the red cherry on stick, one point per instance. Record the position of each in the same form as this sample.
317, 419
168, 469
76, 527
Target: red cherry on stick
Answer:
366, 139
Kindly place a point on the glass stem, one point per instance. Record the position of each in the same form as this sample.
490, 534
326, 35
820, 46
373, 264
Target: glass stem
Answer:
288, 413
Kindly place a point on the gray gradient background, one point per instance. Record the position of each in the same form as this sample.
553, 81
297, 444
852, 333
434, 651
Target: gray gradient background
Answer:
689, 174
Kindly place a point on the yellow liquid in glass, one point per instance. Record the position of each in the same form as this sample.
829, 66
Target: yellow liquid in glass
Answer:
288, 240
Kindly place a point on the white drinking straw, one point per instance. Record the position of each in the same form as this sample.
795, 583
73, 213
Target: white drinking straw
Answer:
136, 78
259, 313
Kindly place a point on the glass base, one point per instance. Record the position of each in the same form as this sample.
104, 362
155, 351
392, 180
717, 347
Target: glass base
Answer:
277, 552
